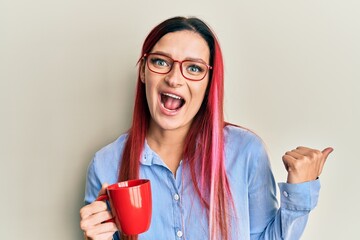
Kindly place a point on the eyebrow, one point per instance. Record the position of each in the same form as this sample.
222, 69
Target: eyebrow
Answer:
187, 58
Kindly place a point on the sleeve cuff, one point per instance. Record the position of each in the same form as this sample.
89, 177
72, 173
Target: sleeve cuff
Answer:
300, 196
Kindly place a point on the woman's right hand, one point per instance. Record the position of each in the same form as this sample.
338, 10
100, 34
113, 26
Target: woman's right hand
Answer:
93, 217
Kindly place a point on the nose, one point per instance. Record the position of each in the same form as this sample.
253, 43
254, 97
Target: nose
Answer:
175, 78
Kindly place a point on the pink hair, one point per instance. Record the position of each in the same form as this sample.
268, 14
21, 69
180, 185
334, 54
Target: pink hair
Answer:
203, 150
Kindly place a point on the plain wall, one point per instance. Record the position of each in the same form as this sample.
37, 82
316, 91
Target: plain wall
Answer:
67, 78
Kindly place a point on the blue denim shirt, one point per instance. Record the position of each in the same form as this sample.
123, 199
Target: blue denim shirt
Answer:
177, 212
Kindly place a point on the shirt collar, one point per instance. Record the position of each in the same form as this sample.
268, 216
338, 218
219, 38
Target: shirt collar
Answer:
149, 157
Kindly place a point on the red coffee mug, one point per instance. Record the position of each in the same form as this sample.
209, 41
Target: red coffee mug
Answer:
130, 203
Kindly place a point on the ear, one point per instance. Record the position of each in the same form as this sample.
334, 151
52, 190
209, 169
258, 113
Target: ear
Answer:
142, 71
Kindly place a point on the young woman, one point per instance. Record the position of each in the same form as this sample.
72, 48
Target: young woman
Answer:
210, 179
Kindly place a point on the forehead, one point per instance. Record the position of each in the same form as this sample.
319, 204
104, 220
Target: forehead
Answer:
183, 44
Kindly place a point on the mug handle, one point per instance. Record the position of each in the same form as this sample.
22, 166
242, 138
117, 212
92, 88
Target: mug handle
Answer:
105, 197
102, 197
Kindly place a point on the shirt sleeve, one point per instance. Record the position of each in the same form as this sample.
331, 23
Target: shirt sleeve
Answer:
93, 183
93, 186
267, 220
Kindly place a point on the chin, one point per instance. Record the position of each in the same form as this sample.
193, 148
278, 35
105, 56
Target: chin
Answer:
171, 124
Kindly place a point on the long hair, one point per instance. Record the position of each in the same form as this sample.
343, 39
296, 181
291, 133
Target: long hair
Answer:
204, 149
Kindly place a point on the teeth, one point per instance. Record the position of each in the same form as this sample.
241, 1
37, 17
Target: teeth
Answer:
172, 95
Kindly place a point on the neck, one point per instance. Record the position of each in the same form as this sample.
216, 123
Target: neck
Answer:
166, 138
168, 144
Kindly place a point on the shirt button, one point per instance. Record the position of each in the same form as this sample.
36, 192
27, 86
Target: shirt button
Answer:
179, 233
176, 197
285, 193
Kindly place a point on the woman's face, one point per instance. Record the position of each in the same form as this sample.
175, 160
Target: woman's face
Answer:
172, 99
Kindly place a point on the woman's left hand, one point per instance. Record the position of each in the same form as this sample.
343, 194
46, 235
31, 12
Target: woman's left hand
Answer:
305, 164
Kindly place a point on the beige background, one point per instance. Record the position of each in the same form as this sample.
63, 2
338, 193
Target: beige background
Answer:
67, 77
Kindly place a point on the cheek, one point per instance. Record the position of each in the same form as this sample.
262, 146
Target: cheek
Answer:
198, 94
202, 89
149, 91
150, 88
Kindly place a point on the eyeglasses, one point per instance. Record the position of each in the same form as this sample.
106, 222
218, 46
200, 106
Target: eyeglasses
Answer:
190, 69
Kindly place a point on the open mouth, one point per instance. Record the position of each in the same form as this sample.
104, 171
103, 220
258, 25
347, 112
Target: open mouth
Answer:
171, 102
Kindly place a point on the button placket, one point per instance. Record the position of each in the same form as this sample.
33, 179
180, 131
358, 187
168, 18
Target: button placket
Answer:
177, 208
179, 233
176, 197
286, 194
